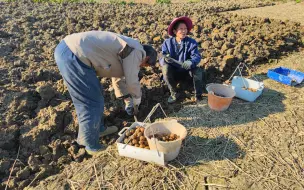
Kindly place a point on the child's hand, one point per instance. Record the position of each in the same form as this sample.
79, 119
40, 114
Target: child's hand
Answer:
167, 58
187, 65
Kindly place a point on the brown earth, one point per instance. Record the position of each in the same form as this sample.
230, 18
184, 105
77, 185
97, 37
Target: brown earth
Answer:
38, 118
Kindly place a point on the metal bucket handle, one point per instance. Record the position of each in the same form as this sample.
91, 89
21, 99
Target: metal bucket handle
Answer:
122, 131
229, 86
148, 118
240, 67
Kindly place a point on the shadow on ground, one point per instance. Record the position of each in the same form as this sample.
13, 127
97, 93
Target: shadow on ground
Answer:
239, 112
197, 150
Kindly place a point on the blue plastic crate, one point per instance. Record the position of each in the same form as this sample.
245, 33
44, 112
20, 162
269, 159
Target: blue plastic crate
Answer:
286, 76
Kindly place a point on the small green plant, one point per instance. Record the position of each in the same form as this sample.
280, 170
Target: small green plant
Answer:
56, 1
163, 1
194, 1
131, 3
298, 1
118, 2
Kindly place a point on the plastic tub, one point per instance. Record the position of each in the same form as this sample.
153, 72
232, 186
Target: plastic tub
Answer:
286, 76
170, 149
143, 154
253, 91
219, 96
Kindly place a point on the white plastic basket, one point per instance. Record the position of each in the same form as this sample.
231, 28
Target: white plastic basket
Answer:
241, 86
246, 89
155, 156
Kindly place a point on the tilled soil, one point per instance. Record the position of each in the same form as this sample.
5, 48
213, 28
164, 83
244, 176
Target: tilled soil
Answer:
37, 115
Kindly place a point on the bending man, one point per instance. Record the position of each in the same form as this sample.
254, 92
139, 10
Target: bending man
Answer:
81, 57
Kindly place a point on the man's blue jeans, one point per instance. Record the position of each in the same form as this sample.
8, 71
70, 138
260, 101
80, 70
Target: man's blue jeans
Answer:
172, 75
86, 93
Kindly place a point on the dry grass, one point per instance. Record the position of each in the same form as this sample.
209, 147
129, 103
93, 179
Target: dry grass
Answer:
213, 2
263, 149
142, 1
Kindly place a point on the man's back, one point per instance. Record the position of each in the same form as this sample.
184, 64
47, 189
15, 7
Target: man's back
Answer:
100, 50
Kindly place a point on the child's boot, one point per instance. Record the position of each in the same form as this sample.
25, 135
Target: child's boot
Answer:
173, 97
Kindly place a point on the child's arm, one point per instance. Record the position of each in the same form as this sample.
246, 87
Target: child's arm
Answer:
165, 51
194, 54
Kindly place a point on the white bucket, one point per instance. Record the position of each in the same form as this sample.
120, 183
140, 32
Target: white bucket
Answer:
170, 149
238, 84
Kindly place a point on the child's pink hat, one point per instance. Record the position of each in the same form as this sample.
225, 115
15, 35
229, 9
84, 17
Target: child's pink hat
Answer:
187, 21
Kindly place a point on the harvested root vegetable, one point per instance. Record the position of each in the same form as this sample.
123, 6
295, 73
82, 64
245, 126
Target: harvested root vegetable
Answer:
250, 89
134, 141
165, 137
220, 95
216, 94
136, 138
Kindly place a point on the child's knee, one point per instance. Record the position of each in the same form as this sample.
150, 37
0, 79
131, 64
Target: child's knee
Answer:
197, 73
165, 68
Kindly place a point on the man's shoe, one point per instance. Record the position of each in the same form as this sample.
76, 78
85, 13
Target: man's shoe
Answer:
110, 130
97, 152
173, 98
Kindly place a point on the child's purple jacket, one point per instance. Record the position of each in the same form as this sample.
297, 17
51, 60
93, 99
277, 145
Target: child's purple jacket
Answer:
188, 51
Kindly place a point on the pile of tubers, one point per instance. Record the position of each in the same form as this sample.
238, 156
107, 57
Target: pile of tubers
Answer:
135, 137
165, 137
250, 89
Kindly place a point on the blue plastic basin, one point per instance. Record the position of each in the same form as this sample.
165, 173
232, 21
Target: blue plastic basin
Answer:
286, 76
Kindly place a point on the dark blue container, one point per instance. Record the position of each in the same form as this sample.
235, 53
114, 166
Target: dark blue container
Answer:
286, 76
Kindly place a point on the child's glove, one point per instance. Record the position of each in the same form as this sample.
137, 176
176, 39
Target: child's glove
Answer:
167, 59
187, 65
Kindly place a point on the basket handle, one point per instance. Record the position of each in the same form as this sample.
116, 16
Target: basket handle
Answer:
122, 131
240, 67
148, 118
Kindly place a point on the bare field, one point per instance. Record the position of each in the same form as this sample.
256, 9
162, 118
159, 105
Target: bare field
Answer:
291, 11
250, 146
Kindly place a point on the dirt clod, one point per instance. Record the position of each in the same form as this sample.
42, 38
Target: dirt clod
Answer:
24, 173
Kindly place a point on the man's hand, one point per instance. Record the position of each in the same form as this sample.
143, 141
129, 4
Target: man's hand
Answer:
135, 110
131, 105
187, 65
136, 101
129, 108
